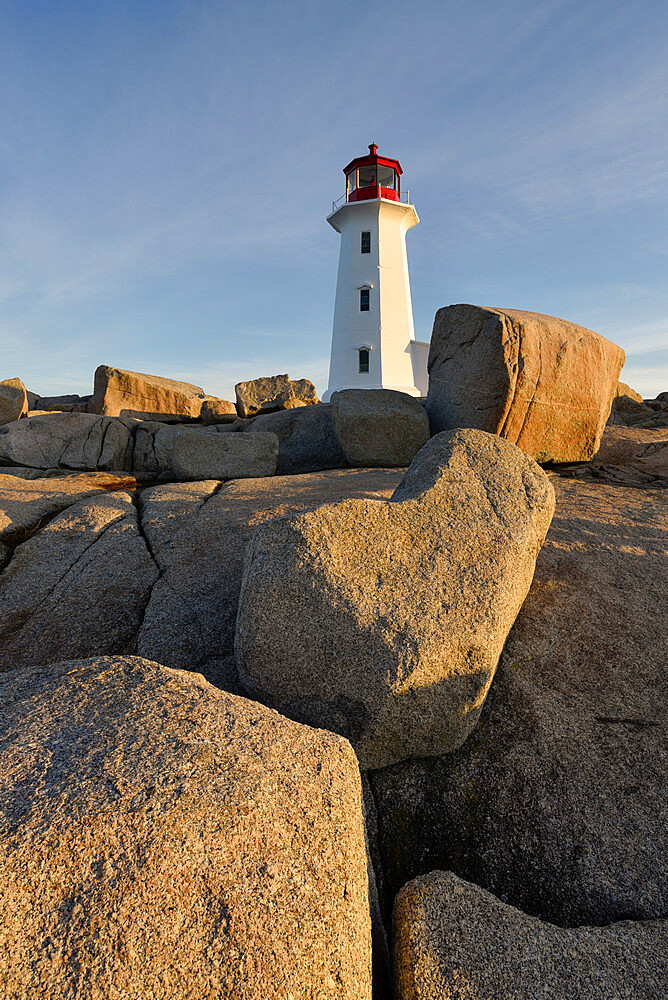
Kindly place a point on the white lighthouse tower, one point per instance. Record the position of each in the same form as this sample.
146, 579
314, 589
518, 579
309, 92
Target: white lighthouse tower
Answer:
373, 340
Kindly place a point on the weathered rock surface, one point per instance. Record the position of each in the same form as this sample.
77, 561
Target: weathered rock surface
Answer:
217, 411
385, 621
197, 533
121, 393
77, 588
625, 391
557, 801
275, 392
379, 427
543, 383
628, 456
13, 400
68, 441
306, 439
26, 503
223, 456
454, 940
161, 838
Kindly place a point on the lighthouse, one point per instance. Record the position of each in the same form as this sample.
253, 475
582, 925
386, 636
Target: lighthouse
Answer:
373, 340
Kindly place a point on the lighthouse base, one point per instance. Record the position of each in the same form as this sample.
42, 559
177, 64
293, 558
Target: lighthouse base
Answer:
410, 390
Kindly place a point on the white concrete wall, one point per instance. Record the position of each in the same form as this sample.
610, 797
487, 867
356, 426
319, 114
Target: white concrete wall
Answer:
387, 328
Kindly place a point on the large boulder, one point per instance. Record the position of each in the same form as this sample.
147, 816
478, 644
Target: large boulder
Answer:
13, 400
198, 533
306, 439
120, 393
379, 427
385, 620
79, 587
541, 382
68, 441
275, 392
557, 801
455, 940
161, 838
223, 456
26, 503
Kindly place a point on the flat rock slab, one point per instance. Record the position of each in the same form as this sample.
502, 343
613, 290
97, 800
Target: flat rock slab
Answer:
384, 621
454, 940
26, 503
68, 441
77, 588
161, 838
119, 393
543, 383
379, 427
223, 456
557, 802
198, 533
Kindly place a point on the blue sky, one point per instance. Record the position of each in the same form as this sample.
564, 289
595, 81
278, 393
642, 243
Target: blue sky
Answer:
166, 169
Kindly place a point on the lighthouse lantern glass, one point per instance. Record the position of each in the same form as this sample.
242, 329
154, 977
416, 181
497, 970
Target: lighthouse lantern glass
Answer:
386, 177
367, 176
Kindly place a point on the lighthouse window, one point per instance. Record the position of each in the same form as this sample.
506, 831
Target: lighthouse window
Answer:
364, 361
386, 177
364, 300
365, 242
367, 176
352, 181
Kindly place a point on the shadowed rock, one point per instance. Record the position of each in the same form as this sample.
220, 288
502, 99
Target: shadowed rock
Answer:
385, 620
306, 439
379, 427
161, 838
557, 801
223, 456
454, 940
68, 441
541, 382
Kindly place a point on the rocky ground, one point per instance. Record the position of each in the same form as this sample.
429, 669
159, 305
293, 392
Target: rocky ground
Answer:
163, 834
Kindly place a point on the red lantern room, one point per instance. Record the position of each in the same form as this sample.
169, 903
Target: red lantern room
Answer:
373, 176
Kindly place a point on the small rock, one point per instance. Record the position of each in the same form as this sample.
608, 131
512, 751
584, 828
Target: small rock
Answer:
454, 940
223, 456
276, 392
161, 838
543, 383
63, 404
379, 428
384, 621
218, 411
147, 397
13, 400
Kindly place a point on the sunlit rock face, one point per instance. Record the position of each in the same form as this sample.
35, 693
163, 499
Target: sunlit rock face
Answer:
543, 383
456, 941
385, 621
13, 400
162, 838
556, 802
273, 392
119, 393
